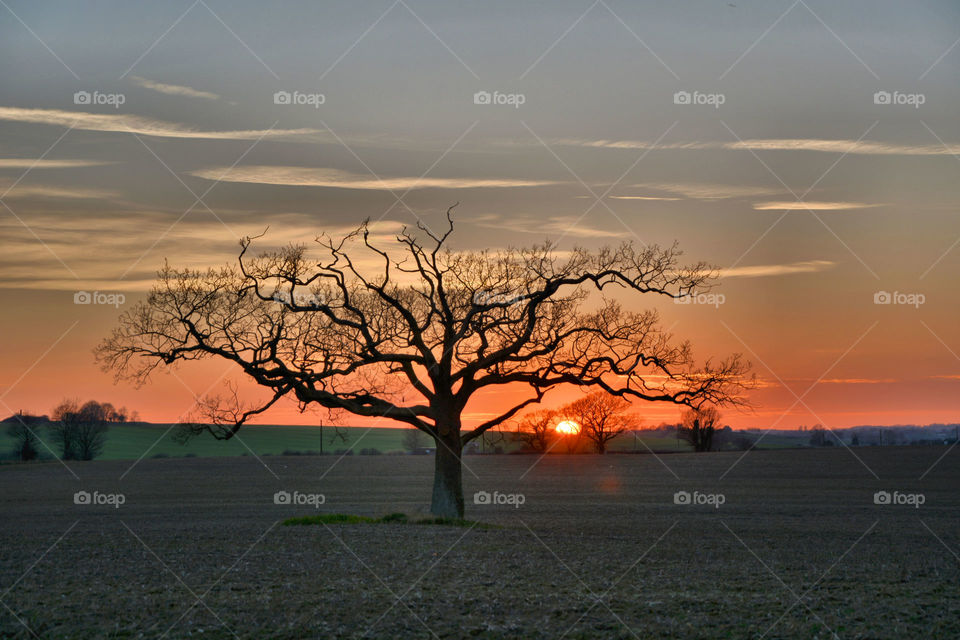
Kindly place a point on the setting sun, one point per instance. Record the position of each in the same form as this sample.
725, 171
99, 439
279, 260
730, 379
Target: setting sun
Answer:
567, 427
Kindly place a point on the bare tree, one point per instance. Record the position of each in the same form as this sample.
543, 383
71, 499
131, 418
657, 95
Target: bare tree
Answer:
601, 416
818, 436
90, 439
699, 426
81, 431
414, 439
61, 428
535, 429
414, 335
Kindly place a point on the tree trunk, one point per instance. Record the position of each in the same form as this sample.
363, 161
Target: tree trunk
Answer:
448, 477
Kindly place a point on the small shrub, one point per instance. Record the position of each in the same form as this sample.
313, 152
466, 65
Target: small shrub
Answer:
394, 517
26, 444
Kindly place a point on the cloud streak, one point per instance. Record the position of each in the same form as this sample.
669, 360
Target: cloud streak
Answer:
709, 191
27, 163
812, 206
862, 147
335, 178
127, 123
858, 381
173, 89
571, 226
46, 191
766, 270
644, 198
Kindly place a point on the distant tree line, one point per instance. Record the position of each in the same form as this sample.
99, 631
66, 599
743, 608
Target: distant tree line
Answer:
76, 431
603, 417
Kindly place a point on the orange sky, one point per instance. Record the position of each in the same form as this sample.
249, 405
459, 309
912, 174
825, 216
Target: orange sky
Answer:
872, 383
826, 202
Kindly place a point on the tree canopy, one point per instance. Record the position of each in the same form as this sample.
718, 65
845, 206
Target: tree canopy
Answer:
413, 333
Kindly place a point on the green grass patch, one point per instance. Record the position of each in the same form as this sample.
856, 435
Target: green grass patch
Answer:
130, 441
390, 518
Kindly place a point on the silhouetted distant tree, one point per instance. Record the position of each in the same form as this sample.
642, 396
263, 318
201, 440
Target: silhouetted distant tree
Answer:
414, 439
601, 416
722, 437
818, 436
26, 443
698, 427
536, 429
80, 431
415, 335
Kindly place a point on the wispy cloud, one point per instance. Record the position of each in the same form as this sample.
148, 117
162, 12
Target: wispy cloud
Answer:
173, 89
812, 206
326, 177
858, 381
570, 226
27, 163
125, 123
123, 240
709, 191
862, 147
764, 270
641, 198
46, 191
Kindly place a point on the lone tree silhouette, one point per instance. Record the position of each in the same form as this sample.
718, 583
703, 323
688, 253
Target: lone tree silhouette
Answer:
413, 335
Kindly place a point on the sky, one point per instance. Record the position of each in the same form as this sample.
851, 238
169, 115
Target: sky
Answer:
808, 149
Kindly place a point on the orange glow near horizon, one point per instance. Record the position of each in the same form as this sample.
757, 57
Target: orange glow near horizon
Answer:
48, 343
567, 428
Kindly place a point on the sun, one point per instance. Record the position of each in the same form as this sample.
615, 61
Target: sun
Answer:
567, 427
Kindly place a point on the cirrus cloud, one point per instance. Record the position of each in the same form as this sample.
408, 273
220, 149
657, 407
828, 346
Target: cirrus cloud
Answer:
27, 163
812, 206
709, 191
335, 178
173, 89
128, 123
766, 270
856, 147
